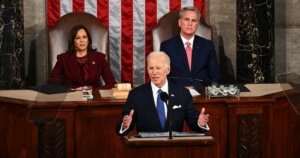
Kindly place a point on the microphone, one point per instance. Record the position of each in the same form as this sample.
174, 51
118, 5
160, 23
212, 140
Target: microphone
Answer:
165, 97
206, 81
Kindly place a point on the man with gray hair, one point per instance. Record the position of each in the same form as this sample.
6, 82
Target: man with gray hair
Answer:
191, 56
145, 108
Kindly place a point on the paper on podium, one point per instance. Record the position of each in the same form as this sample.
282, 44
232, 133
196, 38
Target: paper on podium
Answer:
193, 92
166, 134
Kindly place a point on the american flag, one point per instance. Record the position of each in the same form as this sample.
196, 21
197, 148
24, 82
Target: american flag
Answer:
129, 23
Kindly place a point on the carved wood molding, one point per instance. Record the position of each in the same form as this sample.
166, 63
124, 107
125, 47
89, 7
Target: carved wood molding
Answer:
249, 136
52, 138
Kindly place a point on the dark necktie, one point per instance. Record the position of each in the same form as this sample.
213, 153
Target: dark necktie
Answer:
161, 110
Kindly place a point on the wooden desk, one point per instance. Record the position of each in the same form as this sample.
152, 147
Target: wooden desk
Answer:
267, 126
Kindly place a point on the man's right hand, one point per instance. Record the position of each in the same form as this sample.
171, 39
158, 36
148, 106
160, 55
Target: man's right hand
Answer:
127, 120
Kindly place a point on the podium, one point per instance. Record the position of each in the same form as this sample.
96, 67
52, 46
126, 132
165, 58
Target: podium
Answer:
202, 146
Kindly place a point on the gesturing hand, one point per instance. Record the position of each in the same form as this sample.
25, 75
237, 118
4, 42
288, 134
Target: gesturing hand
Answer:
127, 120
203, 118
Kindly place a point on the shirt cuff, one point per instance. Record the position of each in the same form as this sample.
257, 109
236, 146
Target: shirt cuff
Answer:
206, 127
122, 131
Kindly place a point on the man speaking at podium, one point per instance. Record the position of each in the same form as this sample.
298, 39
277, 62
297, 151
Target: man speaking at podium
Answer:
145, 108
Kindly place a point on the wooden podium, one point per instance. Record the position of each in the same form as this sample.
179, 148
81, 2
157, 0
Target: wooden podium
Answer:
202, 146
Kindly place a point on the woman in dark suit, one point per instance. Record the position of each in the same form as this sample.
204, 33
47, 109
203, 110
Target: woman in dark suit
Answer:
81, 65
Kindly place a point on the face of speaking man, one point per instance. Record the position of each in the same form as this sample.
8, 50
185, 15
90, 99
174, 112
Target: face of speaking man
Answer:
158, 69
188, 24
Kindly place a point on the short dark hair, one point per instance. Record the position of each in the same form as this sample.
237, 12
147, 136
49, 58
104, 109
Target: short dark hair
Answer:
191, 9
72, 36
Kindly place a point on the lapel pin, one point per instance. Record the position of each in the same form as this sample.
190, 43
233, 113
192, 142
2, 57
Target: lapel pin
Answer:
93, 62
172, 95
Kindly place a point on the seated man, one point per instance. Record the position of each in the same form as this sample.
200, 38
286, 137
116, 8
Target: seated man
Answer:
145, 108
191, 56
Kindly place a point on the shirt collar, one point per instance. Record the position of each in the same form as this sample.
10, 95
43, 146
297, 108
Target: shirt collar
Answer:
164, 88
185, 40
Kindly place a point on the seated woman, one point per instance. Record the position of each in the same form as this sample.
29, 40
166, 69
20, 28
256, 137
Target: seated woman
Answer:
81, 65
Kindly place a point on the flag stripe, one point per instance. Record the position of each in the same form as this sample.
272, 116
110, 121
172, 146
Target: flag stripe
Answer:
65, 7
90, 6
162, 8
175, 5
200, 5
186, 3
53, 12
102, 12
127, 40
150, 19
78, 5
115, 38
138, 42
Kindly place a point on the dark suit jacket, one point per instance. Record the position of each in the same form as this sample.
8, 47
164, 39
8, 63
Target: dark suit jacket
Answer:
67, 69
145, 114
204, 60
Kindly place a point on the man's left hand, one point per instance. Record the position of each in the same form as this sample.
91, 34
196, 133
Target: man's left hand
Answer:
203, 118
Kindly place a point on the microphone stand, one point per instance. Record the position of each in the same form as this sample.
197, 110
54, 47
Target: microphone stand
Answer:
170, 118
205, 81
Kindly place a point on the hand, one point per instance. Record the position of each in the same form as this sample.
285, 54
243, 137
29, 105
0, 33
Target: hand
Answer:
77, 89
203, 118
127, 120
189, 87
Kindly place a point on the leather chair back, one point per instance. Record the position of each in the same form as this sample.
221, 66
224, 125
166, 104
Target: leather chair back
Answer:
59, 34
167, 27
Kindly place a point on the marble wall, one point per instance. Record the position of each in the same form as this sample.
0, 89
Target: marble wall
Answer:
221, 14
255, 41
35, 42
292, 36
11, 44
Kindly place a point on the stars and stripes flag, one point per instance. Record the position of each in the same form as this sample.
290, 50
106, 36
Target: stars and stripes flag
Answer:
129, 23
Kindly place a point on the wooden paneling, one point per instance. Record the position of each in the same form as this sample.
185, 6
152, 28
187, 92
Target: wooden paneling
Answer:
250, 127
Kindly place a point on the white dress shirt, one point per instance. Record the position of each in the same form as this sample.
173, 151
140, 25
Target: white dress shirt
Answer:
185, 40
164, 88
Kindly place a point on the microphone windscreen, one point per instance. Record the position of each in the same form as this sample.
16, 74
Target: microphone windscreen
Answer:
164, 96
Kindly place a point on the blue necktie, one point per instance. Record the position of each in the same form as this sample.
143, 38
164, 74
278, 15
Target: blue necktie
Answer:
161, 110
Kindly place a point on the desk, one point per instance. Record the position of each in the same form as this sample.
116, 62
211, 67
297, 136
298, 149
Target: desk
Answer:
266, 126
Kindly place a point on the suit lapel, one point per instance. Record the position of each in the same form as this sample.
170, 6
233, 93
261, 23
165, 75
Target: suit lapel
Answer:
195, 52
149, 95
171, 102
151, 108
182, 53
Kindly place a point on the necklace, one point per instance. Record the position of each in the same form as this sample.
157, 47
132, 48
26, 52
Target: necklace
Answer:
80, 61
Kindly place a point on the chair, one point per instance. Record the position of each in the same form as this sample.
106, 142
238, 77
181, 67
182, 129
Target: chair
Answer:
59, 34
167, 27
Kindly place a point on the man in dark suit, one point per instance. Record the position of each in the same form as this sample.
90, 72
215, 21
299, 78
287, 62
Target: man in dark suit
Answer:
191, 56
145, 108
